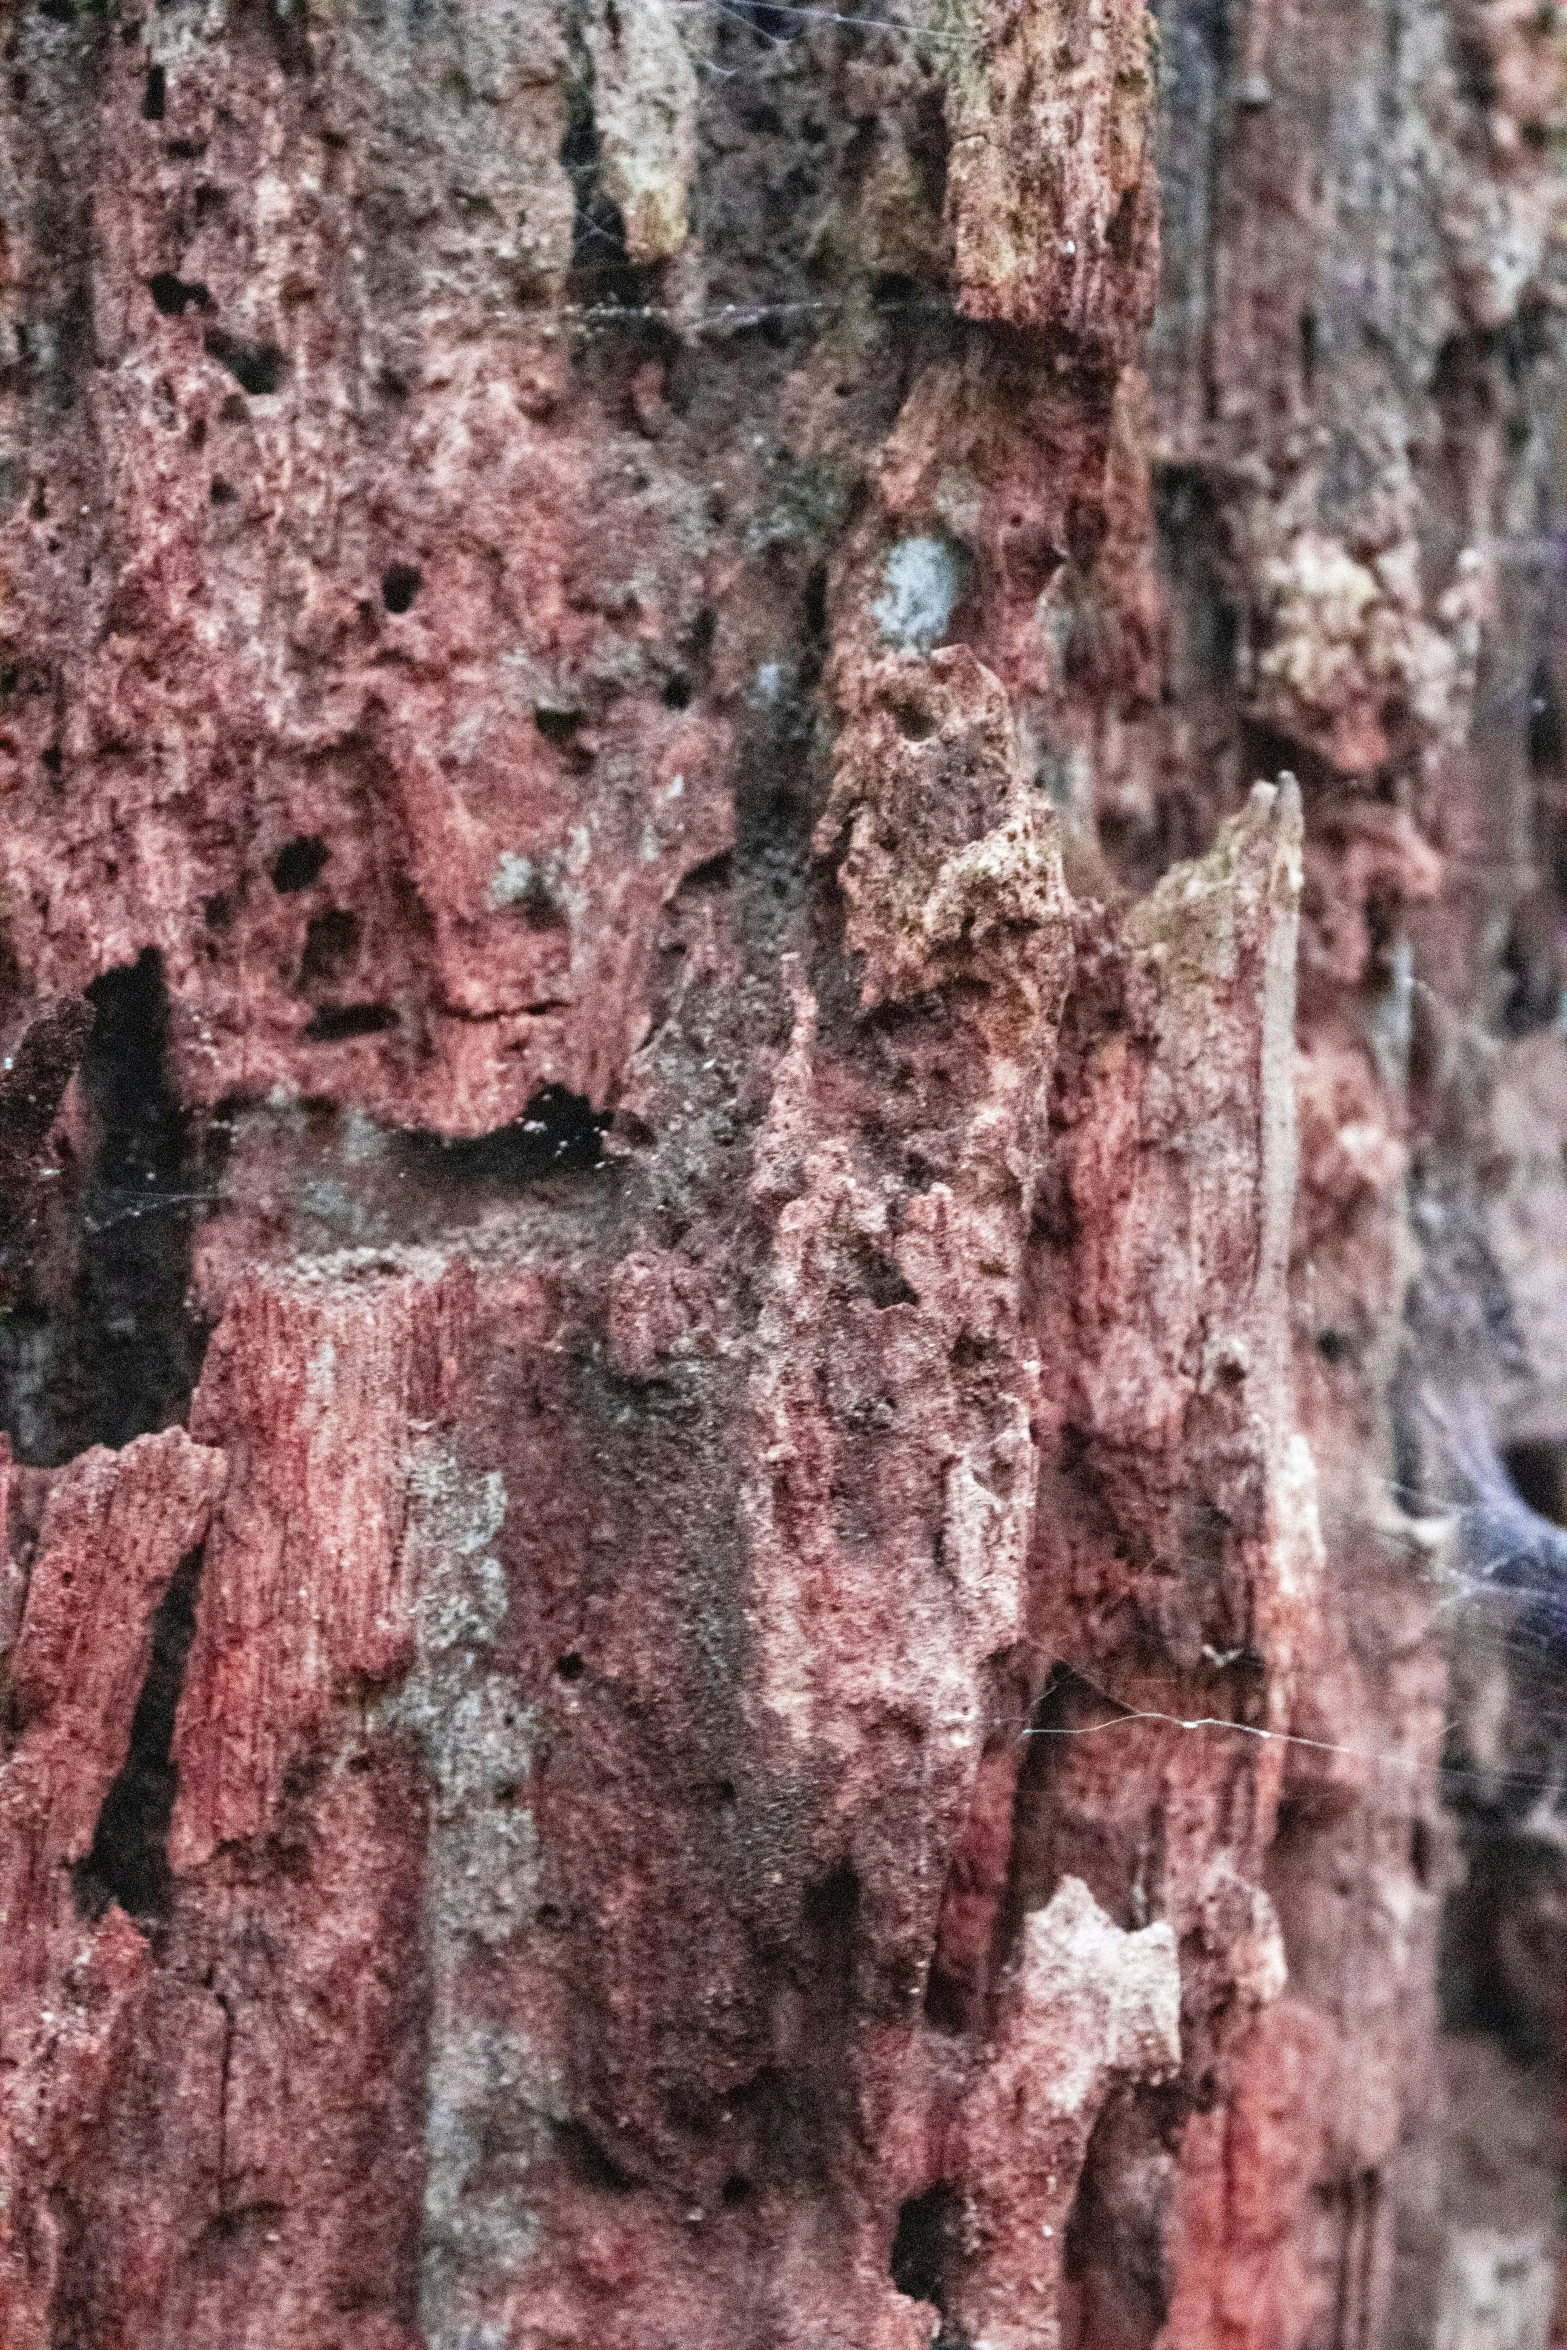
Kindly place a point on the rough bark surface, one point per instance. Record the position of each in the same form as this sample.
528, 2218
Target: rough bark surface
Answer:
783, 830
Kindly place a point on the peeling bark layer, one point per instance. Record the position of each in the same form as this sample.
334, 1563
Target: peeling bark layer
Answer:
715, 1622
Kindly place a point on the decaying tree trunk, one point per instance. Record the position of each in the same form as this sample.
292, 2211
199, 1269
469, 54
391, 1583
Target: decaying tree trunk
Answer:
807, 776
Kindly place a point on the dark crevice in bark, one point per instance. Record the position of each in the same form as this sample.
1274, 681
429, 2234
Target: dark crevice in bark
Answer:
129, 1858
1116, 2271
138, 1351
102, 1347
590, 2162
560, 1133
925, 2249
1538, 1468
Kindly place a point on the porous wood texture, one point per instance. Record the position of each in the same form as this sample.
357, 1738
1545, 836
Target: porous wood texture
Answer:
792, 793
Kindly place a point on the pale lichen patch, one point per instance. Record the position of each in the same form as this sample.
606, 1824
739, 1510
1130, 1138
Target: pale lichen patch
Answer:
489, 2094
923, 579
